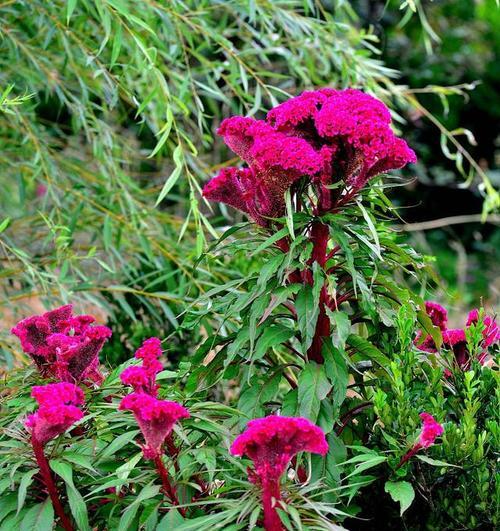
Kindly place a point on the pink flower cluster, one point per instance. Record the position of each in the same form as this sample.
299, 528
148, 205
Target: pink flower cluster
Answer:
454, 338
57, 412
156, 418
327, 136
62, 345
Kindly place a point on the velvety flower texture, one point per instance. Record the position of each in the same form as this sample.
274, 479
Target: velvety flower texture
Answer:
431, 430
325, 135
63, 345
155, 418
271, 442
57, 412
455, 338
143, 378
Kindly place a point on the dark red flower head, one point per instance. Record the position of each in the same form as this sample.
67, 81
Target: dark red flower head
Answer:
156, 419
57, 412
271, 442
63, 345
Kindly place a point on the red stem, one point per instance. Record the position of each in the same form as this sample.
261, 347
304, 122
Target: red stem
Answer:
409, 455
319, 238
48, 480
168, 489
270, 496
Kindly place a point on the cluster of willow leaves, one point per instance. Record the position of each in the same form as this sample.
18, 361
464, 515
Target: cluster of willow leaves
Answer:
260, 351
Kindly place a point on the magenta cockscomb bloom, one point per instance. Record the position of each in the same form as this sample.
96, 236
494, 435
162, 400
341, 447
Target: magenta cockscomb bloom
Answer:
270, 443
326, 136
431, 430
143, 378
455, 339
275, 162
63, 345
57, 412
491, 331
156, 419
437, 314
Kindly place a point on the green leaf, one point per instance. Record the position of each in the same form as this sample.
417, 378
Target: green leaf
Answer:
4, 224
271, 337
435, 462
149, 491
366, 350
172, 520
39, 518
253, 397
402, 492
307, 315
75, 499
174, 176
341, 327
23, 487
337, 371
312, 389
70, 7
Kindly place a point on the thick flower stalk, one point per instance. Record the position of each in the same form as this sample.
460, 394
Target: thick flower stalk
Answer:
454, 339
58, 410
321, 147
271, 442
62, 345
431, 430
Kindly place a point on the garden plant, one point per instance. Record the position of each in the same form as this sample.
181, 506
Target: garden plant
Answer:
323, 393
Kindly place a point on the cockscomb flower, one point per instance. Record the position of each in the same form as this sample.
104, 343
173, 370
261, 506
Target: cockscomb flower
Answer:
63, 345
57, 412
156, 419
143, 378
271, 442
437, 314
430, 430
455, 339
326, 136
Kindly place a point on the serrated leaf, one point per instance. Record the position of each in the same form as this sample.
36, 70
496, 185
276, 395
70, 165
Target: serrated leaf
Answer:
312, 389
307, 309
272, 336
39, 518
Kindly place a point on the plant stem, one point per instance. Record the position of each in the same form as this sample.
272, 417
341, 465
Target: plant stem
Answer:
409, 455
48, 480
270, 496
319, 238
168, 489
